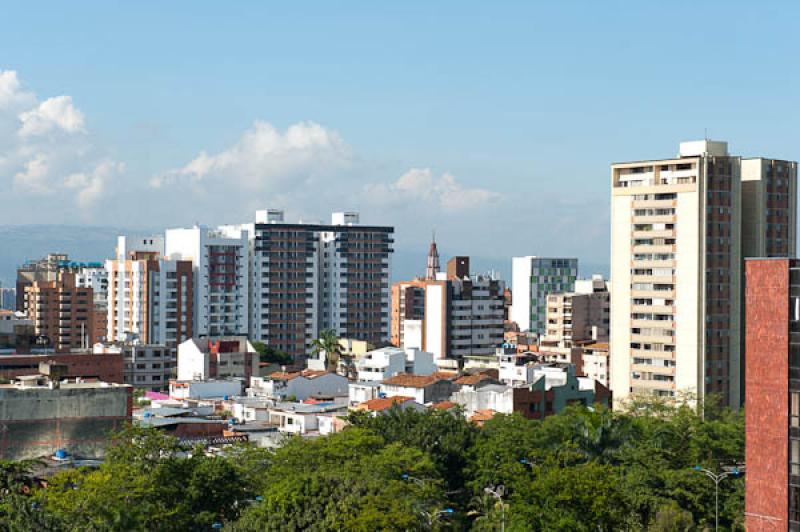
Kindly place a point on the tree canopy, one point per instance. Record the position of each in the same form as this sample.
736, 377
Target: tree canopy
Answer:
407, 470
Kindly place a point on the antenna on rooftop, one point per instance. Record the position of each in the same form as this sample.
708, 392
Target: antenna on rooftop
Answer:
705, 133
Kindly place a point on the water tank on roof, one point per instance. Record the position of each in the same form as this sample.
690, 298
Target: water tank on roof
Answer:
61, 454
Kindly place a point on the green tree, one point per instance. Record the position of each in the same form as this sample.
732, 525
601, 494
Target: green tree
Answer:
147, 483
328, 342
347, 481
267, 353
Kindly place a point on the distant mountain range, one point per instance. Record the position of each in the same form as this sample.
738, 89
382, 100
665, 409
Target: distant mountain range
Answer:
19, 243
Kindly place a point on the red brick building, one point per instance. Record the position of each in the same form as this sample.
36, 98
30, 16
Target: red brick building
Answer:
772, 394
105, 367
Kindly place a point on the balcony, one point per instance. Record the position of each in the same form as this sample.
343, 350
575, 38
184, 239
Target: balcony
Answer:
653, 324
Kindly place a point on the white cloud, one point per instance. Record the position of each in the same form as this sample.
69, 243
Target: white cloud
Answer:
266, 159
91, 185
41, 142
34, 176
11, 93
51, 115
421, 185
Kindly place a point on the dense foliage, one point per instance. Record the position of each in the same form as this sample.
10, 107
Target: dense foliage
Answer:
580, 470
271, 355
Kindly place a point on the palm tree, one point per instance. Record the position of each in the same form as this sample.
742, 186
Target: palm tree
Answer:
328, 342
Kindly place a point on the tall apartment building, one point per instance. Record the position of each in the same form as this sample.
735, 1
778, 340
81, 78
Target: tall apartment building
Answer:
769, 214
62, 312
45, 269
579, 316
533, 278
461, 314
150, 298
676, 265
356, 264
220, 262
772, 394
308, 277
408, 304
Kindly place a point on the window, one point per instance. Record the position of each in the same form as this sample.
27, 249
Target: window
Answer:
794, 410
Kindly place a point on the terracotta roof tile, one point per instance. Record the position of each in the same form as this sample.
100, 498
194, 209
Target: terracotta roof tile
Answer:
473, 379
482, 415
444, 405
289, 375
416, 381
382, 403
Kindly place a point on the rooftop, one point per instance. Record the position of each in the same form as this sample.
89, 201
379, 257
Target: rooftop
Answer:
444, 405
418, 381
383, 403
289, 375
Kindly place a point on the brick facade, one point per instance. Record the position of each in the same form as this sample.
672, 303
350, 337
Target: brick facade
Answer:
767, 395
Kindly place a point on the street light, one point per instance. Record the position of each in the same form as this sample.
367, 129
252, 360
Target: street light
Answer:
497, 493
433, 517
420, 482
717, 478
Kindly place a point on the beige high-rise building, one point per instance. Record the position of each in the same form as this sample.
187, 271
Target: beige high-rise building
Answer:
680, 229
62, 313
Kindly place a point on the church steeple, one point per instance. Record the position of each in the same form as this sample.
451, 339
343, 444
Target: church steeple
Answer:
433, 260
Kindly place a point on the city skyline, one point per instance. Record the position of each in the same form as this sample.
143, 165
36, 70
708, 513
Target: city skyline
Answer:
498, 137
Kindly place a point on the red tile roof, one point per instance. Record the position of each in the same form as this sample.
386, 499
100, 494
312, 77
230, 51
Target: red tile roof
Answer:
444, 405
480, 416
410, 380
383, 403
473, 379
287, 376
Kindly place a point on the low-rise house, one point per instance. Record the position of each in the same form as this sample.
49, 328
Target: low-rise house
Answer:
551, 388
477, 380
380, 405
146, 367
495, 397
422, 388
180, 423
217, 358
205, 389
380, 364
259, 433
304, 419
363, 391
250, 409
299, 385
596, 362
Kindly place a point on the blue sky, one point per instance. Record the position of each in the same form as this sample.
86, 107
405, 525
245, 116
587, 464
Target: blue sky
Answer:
522, 104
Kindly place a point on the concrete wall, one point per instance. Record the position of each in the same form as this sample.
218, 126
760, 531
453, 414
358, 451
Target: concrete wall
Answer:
36, 422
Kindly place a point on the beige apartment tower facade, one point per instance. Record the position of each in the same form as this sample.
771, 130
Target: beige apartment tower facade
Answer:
680, 229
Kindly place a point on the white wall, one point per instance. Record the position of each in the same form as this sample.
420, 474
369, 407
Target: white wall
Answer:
521, 292
193, 364
434, 320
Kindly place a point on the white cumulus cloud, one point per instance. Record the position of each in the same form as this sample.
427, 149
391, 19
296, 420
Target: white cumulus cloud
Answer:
421, 185
51, 115
46, 156
11, 93
265, 158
